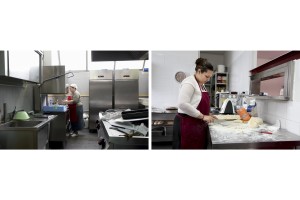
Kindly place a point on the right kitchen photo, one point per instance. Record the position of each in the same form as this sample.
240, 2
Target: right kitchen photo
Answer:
225, 99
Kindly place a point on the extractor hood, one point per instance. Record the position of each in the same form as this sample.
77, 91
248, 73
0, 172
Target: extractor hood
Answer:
119, 55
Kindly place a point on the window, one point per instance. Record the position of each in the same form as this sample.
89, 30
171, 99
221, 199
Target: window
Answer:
72, 60
24, 65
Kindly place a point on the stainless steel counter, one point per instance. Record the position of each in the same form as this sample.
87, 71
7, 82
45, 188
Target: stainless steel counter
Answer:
58, 127
117, 139
230, 135
28, 134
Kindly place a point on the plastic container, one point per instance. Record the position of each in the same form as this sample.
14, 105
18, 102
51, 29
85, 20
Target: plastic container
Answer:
221, 68
56, 108
244, 115
281, 91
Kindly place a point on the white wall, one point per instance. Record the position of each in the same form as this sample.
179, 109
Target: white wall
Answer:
165, 64
214, 59
239, 63
286, 111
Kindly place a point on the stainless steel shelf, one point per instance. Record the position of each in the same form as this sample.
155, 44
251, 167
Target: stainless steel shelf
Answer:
279, 98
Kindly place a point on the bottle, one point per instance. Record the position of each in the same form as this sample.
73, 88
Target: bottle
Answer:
281, 91
56, 104
50, 102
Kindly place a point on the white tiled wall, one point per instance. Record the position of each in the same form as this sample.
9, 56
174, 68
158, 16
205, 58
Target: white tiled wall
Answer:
286, 112
21, 97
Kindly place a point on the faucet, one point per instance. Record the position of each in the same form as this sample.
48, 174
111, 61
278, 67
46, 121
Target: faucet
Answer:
13, 113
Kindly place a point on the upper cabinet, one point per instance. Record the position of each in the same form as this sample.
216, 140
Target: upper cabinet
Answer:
274, 79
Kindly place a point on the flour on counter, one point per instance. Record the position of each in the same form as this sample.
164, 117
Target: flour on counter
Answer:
237, 131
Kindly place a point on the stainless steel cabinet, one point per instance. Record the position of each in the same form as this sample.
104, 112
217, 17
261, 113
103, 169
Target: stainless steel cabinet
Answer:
26, 139
58, 127
101, 96
126, 94
126, 86
112, 90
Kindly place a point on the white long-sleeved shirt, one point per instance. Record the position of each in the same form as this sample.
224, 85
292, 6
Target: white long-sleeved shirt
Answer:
190, 96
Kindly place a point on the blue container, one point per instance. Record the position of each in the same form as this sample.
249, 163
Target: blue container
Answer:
55, 108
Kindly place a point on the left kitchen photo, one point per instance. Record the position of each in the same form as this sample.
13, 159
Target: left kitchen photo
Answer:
88, 99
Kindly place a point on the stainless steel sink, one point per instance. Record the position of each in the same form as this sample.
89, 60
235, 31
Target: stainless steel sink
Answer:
20, 124
28, 134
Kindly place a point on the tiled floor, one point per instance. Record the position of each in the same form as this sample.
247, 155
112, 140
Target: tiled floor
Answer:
84, 140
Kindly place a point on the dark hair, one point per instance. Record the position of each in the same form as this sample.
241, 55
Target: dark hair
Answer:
203, 65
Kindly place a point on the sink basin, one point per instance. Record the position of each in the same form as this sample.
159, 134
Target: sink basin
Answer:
23, 123
19, 124
25, 134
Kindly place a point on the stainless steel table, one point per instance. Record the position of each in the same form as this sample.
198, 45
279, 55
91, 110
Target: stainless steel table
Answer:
116, 139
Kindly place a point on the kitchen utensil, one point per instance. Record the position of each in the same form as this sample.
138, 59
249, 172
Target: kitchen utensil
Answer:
135, 114
21, 115
266, 132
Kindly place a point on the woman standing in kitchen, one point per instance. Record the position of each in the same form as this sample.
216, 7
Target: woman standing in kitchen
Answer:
76, 110
191, 123
68, 122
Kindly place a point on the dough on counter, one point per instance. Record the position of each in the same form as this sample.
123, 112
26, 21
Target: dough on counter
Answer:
254, 122
237, 121
228, 117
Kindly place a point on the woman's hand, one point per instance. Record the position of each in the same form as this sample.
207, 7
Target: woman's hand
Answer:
209, 118
213, 116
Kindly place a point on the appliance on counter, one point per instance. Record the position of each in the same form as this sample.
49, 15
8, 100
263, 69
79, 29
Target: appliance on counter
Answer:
110, 89
227, 107
222, 96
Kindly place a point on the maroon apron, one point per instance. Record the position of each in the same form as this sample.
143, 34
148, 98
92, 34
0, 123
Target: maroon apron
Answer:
193, 130
72, 110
